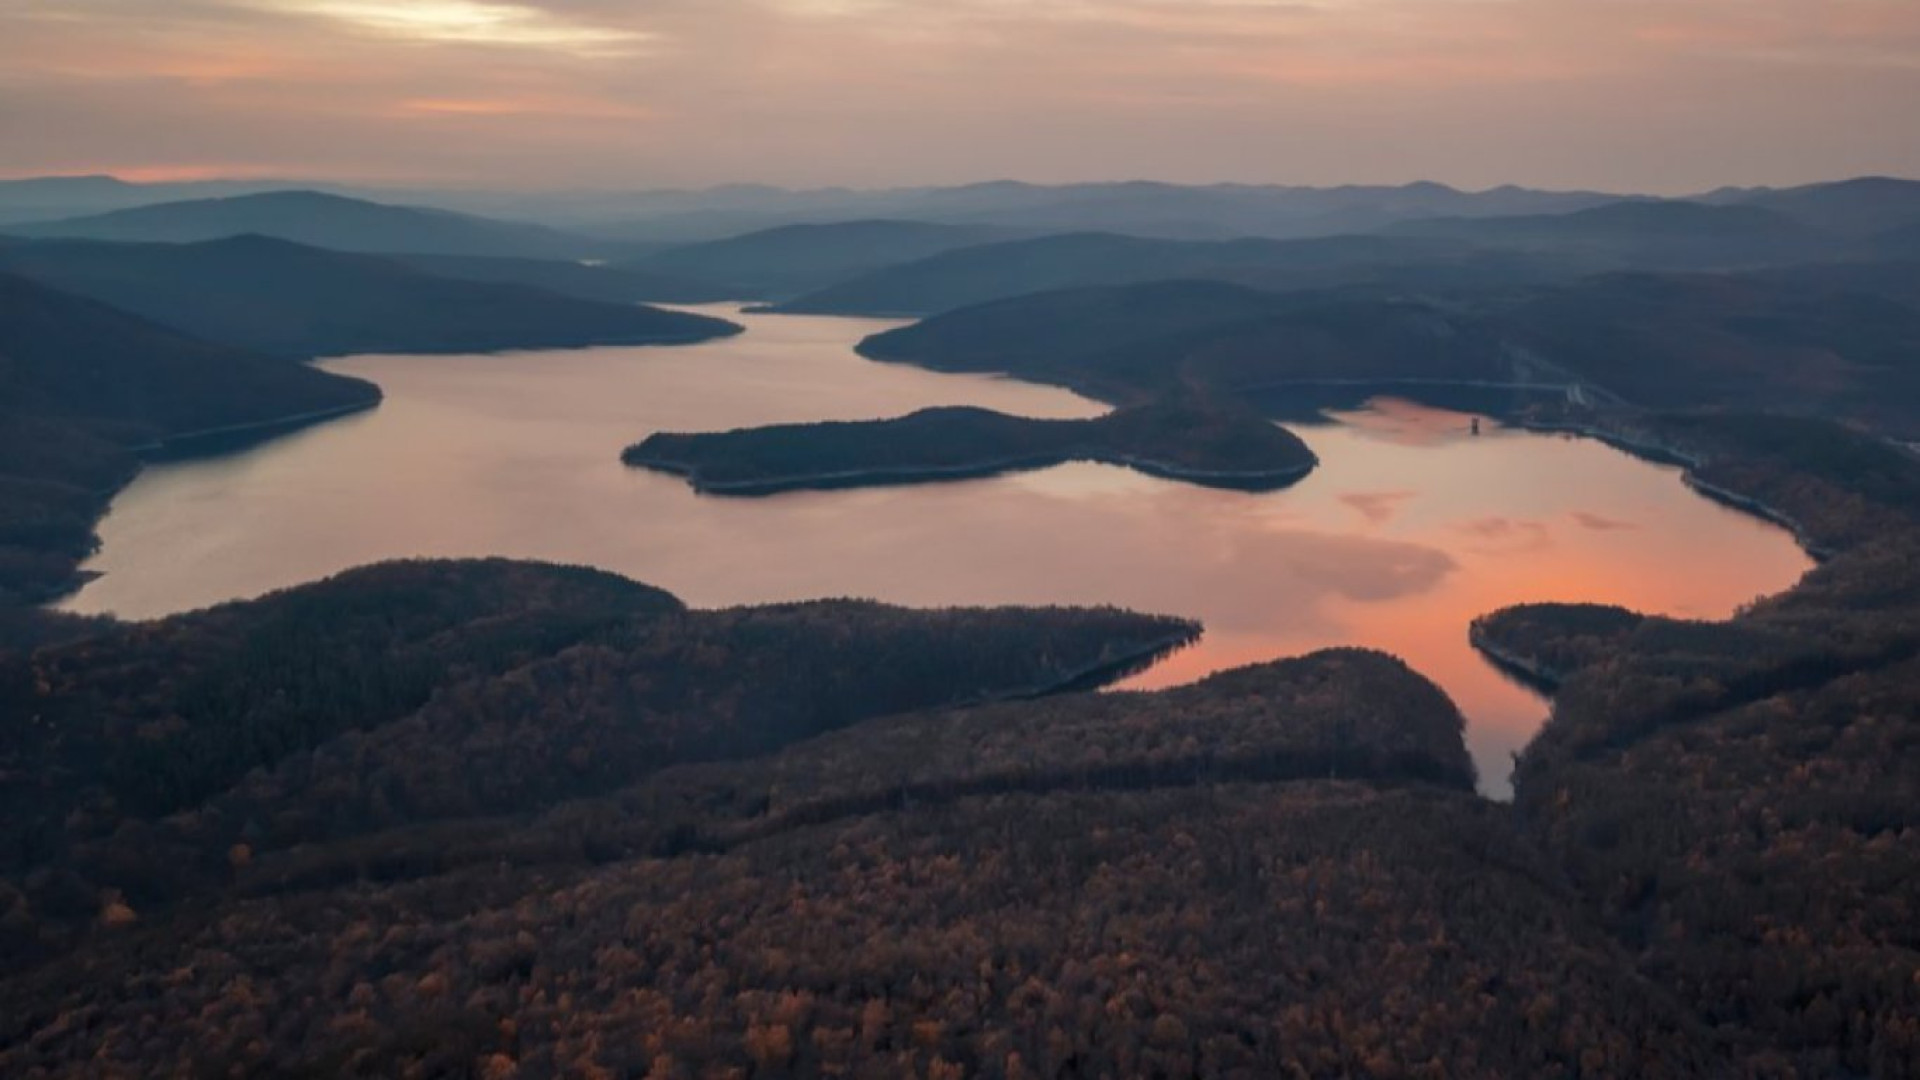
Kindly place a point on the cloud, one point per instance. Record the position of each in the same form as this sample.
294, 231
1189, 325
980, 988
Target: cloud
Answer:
875, 92
467, 22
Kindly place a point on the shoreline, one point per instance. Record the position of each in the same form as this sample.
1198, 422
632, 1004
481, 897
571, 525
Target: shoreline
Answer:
611, 342
182, 446
1100, 673
1537, 677
1663, 453
181, 443
901, 475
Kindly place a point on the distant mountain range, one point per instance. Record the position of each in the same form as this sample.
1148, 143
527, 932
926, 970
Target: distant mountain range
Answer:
1644, 233
49, 198
1863, 206
1141, 208
284, 298
321, 220
987, 272
1428, 254
1220, 211
794, 259
677, 216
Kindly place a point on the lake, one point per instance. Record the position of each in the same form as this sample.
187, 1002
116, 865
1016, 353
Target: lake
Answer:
1411, 526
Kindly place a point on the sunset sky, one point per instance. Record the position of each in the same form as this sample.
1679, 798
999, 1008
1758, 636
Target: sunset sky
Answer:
1649, 95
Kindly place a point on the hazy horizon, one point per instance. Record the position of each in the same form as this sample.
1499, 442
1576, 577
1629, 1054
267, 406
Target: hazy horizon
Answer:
378, 186
1677, 97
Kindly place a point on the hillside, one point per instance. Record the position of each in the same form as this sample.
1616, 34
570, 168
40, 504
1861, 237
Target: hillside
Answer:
1224, 211
1836, 340
1900, 243
789, 260
988, 272
49, 198
291, 300
1646, 234
1215, 337
1140, 208
1186, 441
1807, 343
319, 220
83, 386
1442, 255
854, 891
595, 281
420, 672
1860, 207
1736, 801
1020, 333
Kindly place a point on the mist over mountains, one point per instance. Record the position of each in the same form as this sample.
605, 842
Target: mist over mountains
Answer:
1139, 208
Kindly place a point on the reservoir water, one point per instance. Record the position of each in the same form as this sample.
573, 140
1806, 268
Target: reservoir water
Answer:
1410, 527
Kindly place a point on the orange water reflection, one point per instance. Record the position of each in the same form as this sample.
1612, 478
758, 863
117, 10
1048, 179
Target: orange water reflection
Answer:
1410, 527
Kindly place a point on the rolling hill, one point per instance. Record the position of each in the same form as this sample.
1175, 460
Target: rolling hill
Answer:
793, 259
1900, 243
49, 198
1861, 206
76, 360
1644, 234
319, 220
1207, 336
982, 273
1058, 327
586, 281
1142, 208
1840, 340
285, 298
83, 387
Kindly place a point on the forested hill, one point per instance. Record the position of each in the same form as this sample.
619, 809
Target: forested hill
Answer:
1835, 340
782, 801
1185, 440
586, 281
1740, 801
284, 298
508, 818
82, 386
1645, 234
77, 360
994, 271
793, 259
396, 695
1133, 343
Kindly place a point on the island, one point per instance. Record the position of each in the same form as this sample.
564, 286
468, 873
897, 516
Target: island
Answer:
1188, 440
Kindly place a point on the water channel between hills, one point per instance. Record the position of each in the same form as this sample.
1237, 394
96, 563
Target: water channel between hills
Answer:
1409, 528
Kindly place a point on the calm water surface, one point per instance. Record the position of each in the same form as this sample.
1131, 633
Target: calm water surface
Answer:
1409, 528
